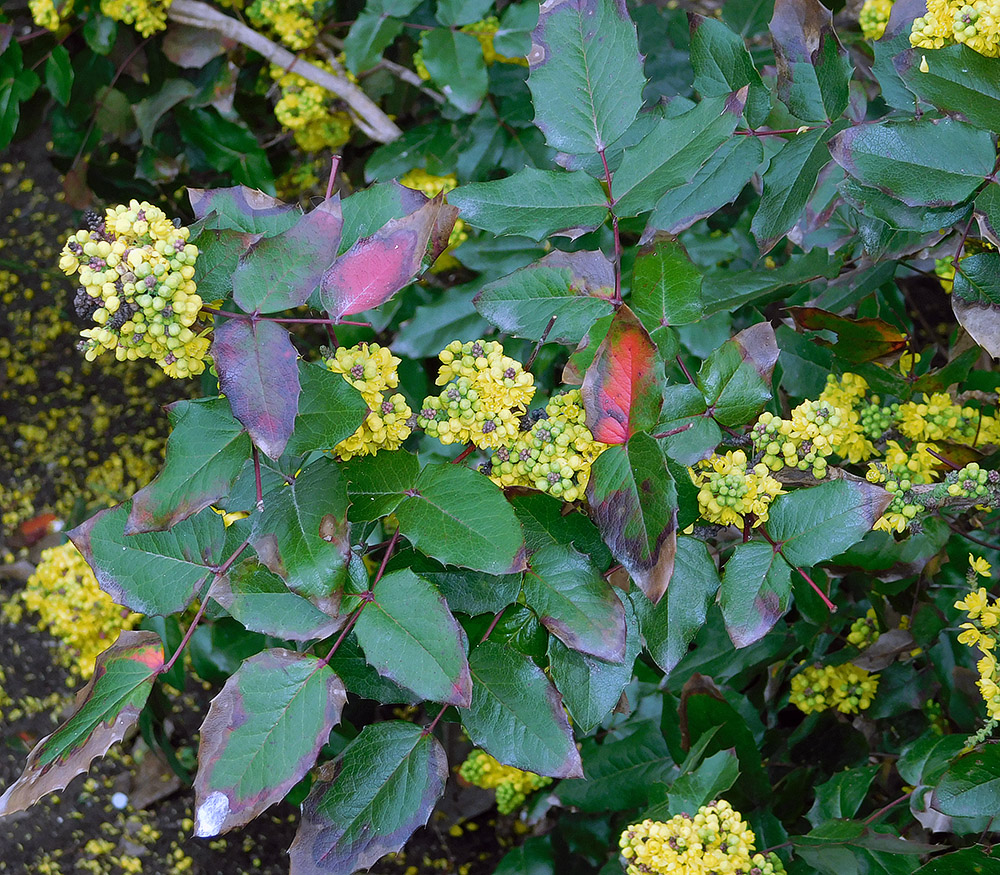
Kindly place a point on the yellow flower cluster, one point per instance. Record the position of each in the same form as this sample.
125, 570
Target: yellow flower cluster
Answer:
938, 418
136, 269
901, 510
945, 267
307, 110
983, 631
290, 20
420, 180
716, 841
49, 13
512, 785
146, 16
864, 631
371, 369
946, 22
873, 18
64, 593
553, 452
485, 31
485, 392
845, 687
728, 491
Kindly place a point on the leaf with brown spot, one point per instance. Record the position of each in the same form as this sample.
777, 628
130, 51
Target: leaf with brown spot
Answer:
858, 340
105, 709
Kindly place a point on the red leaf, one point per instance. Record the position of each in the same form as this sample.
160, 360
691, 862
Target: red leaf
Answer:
258, 373
622, 390
377, 267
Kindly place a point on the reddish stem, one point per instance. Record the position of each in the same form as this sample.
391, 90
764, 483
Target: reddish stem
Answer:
941, 458
257, 480
256, 317
429, 729
344, 633
674, 431
538, 346
752, 133
830, 605
687, 373
961, 243
614, 226
334, 165
886, 808
493, 625
461, 457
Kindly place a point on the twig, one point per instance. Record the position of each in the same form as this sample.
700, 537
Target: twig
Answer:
886, 808
538, 346
375, 123
397, 70
614, 225
461, 457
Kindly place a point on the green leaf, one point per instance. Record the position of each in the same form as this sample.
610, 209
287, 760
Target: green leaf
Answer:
261, 735
218, 254
988, 212
666, 286
455, 13
376, 486
858, 340
591, 687
280, 272
546, 522
896, 214
633, 500
258, 373
714, 775
153, 573
586, 76
369, 36
16, 85
573, 287
814, 69
685, 407
673, 152
976, 299
958, 80
367, 802
457, 516
242, 209
409, 636
968, 861
350, 665
455, 63
719, 182
936, 162
756, 591
259, 599
971, 785
535, 203
619, 773
722, 65
670, 626
575, 603
469, 592
366, 211
228, 146
516, 714
842, 795
100, 32
330, 410
289, 535
735, 379
623, 388
206, 450
536, 856
150, 110
105, 710
59, 74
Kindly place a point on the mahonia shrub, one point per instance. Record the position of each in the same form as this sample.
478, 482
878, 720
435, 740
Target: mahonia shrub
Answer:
669, 476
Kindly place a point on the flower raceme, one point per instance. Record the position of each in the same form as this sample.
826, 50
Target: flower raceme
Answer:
982, 631
512, 785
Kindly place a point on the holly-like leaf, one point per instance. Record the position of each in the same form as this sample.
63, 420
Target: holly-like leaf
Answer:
454, 61
261, 601
858, 340
299, 534
330, 410
376, 486
155, 572
105, 710
976, 299
735, 379
258, 373
516, 714
218, 254
409, 636
469, 592
59, 74
242, 209
673, 152
575, 603
633, 500
814, 69
280, 272
671, 625
368, 210
622, 389
988, 212
684, 407
367, 802
591, 687
369, 36
378, 266
666, 286
709, 780
756, 591
261, 735
457, 516
586, 76
206, 450
878, 205
842, 795
546, 522
573, 287
936, 162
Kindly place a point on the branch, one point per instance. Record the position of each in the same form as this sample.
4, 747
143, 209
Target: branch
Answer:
373, 121
397, 70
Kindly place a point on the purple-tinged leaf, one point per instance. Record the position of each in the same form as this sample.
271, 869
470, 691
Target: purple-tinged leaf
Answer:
367, 802
622, 389
517, 715
258, 373
735, 379
756, 590
575, 603
219, 251
858, 339
261, 735
633, 501
377, 267
242, 209
153, 572
976, 299
409, 635
105, 709
205, 453
281, 272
